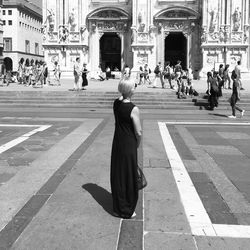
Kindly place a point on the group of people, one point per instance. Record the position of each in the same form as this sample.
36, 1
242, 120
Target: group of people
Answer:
36, 73
168, 75
218, 80
32, 73
80, 75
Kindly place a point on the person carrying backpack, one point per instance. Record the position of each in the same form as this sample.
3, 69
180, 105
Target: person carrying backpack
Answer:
158, 75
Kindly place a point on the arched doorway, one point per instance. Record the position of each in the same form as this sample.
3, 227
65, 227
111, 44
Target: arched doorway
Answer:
8, 64
110, 51
176, 48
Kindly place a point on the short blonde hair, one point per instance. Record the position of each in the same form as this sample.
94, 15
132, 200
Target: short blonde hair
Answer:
125, 86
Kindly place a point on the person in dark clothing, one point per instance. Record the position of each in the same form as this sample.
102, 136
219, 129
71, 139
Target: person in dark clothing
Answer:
127, 137
235, 96
213, 90
84, 76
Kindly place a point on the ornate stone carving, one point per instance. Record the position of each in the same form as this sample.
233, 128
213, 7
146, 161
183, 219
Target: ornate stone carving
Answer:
204, 36
237, 36
74, 36
236, 16
227, 33
142, 37
112, 26
176, 14
142, 59
211, 59
221, 34
63, 34
109, 14
214, 36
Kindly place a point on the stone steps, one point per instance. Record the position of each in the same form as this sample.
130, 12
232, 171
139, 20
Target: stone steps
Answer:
91, 99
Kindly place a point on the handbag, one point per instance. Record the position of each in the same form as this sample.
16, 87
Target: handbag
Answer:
141, 181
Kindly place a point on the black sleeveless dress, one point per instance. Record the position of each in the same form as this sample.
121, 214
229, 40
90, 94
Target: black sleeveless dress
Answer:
124, 173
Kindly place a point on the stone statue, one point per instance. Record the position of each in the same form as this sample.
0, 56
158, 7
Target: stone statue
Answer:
51, 20
72, 20
236, 19
204, 36
142, 25
213, 20
134, 34
83, 32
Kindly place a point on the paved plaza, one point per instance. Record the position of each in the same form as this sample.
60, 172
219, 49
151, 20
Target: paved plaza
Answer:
55, 170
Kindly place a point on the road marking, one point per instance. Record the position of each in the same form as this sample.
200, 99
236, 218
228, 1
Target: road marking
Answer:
22, 138
208, 123
197, 216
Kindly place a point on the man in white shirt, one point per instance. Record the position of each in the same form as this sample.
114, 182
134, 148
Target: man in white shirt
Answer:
237, 70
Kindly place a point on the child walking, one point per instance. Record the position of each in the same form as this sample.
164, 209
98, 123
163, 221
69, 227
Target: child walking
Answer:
235, 96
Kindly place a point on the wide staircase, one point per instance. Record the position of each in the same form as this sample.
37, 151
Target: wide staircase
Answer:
104, 100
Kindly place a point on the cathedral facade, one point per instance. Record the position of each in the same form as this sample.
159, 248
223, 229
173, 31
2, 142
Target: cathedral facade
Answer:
200, 33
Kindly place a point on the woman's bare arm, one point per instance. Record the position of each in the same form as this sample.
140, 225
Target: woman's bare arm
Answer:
135, 115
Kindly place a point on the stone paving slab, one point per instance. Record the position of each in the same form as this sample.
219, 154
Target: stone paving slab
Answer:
214, 243
169, 241
29, 180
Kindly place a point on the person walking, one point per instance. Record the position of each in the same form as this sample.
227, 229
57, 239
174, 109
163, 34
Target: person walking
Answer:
158, 75
213, 90
235, 96
227, 80
57, 73
126, 140
77, 73
237, 70
147, 72
84, 76
126, 72
167, 74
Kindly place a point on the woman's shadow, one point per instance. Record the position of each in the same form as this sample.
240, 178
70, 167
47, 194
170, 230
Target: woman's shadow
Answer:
101, 195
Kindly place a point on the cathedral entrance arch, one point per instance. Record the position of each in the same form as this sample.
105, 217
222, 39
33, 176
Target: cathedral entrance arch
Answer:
110, 51
176, 49
108, 29
177, 35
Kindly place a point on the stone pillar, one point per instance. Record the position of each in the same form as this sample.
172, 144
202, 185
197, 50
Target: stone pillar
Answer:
94, 49
121, 35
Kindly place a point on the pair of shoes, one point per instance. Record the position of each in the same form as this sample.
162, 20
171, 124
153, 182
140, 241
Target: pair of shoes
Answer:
242, 89
242, 113
232, 116
229, 88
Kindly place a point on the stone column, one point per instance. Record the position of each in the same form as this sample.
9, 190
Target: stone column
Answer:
121, 35
94, 49
205, 14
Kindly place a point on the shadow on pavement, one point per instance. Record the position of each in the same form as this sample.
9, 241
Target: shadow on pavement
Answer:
221, 115
101, 195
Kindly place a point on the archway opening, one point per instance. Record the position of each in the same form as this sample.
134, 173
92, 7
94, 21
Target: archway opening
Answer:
110, 51
176, 49
8, 64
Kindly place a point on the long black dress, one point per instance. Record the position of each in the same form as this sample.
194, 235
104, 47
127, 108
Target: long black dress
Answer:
84, 77
124, 173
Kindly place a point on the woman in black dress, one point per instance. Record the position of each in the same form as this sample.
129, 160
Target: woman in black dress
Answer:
84, 76
126, 140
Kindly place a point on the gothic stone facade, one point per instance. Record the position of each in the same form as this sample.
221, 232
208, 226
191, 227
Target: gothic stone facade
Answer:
204, 33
